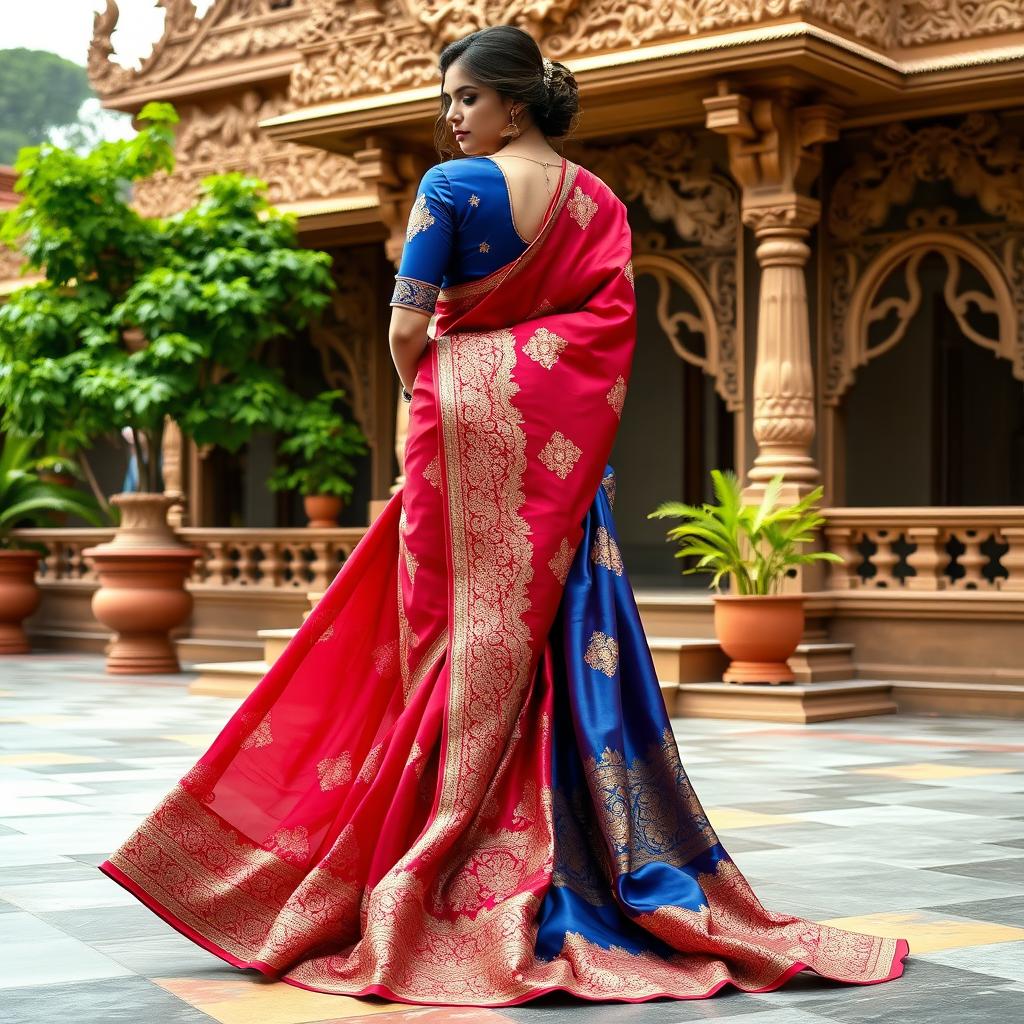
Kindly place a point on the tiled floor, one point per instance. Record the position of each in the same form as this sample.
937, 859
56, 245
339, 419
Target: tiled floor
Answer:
908, 826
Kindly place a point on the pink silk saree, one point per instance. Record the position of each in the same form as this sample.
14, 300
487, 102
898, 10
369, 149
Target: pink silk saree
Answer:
380, 816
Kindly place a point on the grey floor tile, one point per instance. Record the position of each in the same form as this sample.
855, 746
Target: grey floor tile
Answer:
1008, 911
927, 993
36, 953
130, 1000
1009, 870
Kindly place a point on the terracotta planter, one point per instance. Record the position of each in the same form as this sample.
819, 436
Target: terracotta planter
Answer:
19, 598
759, 634
142, 594
322, 510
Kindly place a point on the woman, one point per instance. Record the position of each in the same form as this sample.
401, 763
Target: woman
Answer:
458, 784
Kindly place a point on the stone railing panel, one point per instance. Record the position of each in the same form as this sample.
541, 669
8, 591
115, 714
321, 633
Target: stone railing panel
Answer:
962, 549
246, 559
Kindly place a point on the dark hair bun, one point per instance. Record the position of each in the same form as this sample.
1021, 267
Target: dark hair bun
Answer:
560, 115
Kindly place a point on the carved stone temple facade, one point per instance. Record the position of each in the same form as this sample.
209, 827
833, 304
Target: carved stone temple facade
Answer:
827, 200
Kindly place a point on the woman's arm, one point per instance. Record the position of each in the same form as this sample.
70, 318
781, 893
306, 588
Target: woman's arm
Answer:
407, 337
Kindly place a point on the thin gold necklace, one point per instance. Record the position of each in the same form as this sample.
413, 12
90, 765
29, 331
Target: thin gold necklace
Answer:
544, 163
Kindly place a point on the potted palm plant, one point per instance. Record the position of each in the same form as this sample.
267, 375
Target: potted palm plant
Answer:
755, 546
317, 458
26, 499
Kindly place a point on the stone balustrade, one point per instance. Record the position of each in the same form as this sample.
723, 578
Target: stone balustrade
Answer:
246, 559
968, 548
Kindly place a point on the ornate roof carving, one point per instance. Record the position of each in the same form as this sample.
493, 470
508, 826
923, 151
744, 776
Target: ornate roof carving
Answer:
230, 30
349, 48
213, 138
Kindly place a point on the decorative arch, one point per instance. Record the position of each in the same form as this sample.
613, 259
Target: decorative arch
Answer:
865, 308
714, 362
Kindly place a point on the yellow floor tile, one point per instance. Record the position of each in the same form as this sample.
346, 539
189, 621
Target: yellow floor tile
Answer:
927, 932
912, 772
192, 739
246, 1000
37, 719
731, 817
47, 757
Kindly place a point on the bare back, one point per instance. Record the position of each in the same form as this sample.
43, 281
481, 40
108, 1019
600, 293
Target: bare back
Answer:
529, 193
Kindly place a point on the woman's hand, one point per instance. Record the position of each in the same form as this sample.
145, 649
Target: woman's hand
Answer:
408, 338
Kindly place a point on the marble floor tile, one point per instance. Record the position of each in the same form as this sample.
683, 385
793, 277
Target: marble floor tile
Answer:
904, 825
116, 1001
36, 953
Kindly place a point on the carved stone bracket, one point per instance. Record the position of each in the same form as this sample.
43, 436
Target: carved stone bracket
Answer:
775, 155
679, 189
394, 175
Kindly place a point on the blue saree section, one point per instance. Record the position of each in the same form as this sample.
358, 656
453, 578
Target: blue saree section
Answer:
630, 834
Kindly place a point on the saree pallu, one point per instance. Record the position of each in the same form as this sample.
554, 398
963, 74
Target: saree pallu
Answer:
458, 784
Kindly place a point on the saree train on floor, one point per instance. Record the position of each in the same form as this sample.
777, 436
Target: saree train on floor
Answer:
458, 784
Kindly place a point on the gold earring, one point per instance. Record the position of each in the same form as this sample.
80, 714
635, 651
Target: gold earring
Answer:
511, 130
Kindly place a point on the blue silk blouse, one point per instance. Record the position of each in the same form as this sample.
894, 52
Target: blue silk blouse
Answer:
460, 229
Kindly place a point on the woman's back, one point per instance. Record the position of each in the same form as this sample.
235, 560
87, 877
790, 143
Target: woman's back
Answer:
471, 217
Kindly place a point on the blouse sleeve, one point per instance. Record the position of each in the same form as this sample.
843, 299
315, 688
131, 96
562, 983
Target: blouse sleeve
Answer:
429, 237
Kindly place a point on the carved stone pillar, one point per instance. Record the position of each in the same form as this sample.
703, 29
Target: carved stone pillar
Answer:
775, 155
173, 472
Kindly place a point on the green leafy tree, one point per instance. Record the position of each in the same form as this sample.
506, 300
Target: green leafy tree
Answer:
756, 545
319, 453
139, 319
39, 92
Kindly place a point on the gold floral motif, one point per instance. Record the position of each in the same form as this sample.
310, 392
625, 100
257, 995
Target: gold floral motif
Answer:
426, 660
732, 909
581, 208
198, 780
561, 561
578, 849
608, 483
291, 844
648, 809
370, 764
411, 564
432, 472
545, 347
385, 657
605, 552
484, 448
415, 294
335, 771
326, 634
560, 455
544, 306
484, 247
420, 218
416, 761
602, 653
262, 908
617, 395
407, 639
628, 271
261, 736
474, 200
